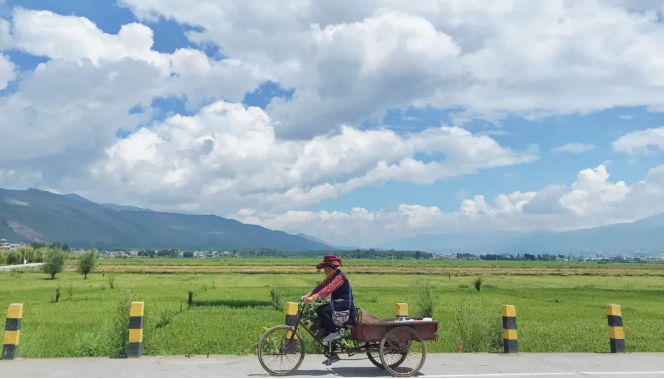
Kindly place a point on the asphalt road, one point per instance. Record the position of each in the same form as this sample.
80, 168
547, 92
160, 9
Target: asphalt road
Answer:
11, 267
437, 366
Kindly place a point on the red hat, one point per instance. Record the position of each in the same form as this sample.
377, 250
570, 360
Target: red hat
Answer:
329, 260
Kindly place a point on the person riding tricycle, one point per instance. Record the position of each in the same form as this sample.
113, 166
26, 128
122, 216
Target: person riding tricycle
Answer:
393, 344
341, 308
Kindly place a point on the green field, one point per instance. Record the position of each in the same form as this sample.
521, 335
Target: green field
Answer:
556, 313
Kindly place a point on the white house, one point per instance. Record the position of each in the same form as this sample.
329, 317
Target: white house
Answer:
4, 245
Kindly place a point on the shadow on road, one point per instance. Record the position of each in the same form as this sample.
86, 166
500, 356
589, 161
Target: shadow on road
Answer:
346, 372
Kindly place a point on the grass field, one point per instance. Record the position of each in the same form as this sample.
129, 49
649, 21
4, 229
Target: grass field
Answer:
560, 307
371, 266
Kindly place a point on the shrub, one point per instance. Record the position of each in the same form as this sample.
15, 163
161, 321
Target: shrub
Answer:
425, 301
478, 283
70, 291
478, 329
57, 294
275, 296
111, 280
117, 327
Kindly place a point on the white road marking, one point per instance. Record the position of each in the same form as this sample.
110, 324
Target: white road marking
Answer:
620, 372
545, 373
499, 374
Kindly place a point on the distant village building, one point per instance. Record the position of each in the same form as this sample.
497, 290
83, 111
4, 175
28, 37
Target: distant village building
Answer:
4, 245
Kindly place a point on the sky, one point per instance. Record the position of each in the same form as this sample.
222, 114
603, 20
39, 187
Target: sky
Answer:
354, 122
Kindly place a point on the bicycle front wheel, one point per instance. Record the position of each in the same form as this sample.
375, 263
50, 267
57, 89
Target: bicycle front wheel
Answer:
277, 353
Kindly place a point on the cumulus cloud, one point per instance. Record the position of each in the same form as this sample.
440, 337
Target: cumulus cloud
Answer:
593, 200
574, 148
233, 150
7, 71
344, 63
640, 142
348, 61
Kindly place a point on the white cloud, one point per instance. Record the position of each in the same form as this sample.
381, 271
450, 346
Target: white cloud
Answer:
7, 71
574, 148
346, 62
234, 151
639, 142
349, 61
187, 72
44, 33
592, 201
4, 34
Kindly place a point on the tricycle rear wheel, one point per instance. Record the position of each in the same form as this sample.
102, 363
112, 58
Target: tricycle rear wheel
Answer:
374, 357
275, 348
402, 345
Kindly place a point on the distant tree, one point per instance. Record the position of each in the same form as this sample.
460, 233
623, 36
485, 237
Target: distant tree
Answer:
37, 245
14, 258
188, 254
40, 254
54, 262
147, 253
65, 247
87, 263
27, 253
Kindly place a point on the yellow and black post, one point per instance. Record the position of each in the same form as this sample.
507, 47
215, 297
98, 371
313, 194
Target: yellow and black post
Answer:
12, 331
510, 341
401, 309
136, 312
291, 320
616, 331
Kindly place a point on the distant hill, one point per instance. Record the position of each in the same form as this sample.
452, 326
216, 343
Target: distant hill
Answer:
116, 207
312, 238
36, 215
641, 237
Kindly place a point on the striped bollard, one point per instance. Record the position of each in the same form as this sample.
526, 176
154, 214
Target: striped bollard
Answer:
12, 331
401, 310
136, 312
291, 320
510, 341
616, 331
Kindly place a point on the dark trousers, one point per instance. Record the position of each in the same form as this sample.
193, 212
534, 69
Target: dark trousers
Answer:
324, 313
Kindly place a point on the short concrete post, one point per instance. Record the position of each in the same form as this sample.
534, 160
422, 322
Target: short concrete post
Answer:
136, 312
616, 331
510, 341
12, 331
401, 310
291, 320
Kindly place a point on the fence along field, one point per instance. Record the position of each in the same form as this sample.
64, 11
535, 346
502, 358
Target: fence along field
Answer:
561, 308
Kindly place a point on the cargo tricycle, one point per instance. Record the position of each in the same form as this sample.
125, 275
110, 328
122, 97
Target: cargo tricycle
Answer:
396, 345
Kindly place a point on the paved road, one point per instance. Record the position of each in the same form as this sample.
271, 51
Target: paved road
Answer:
436, 366
11, 267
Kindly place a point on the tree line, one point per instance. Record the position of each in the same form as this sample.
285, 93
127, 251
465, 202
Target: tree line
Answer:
273, 253
54, 258
524, 257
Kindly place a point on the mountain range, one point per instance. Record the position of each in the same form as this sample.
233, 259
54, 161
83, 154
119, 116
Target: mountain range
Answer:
34, 215
644, 236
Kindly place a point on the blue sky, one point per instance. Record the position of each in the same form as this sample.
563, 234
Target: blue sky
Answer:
600, 128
